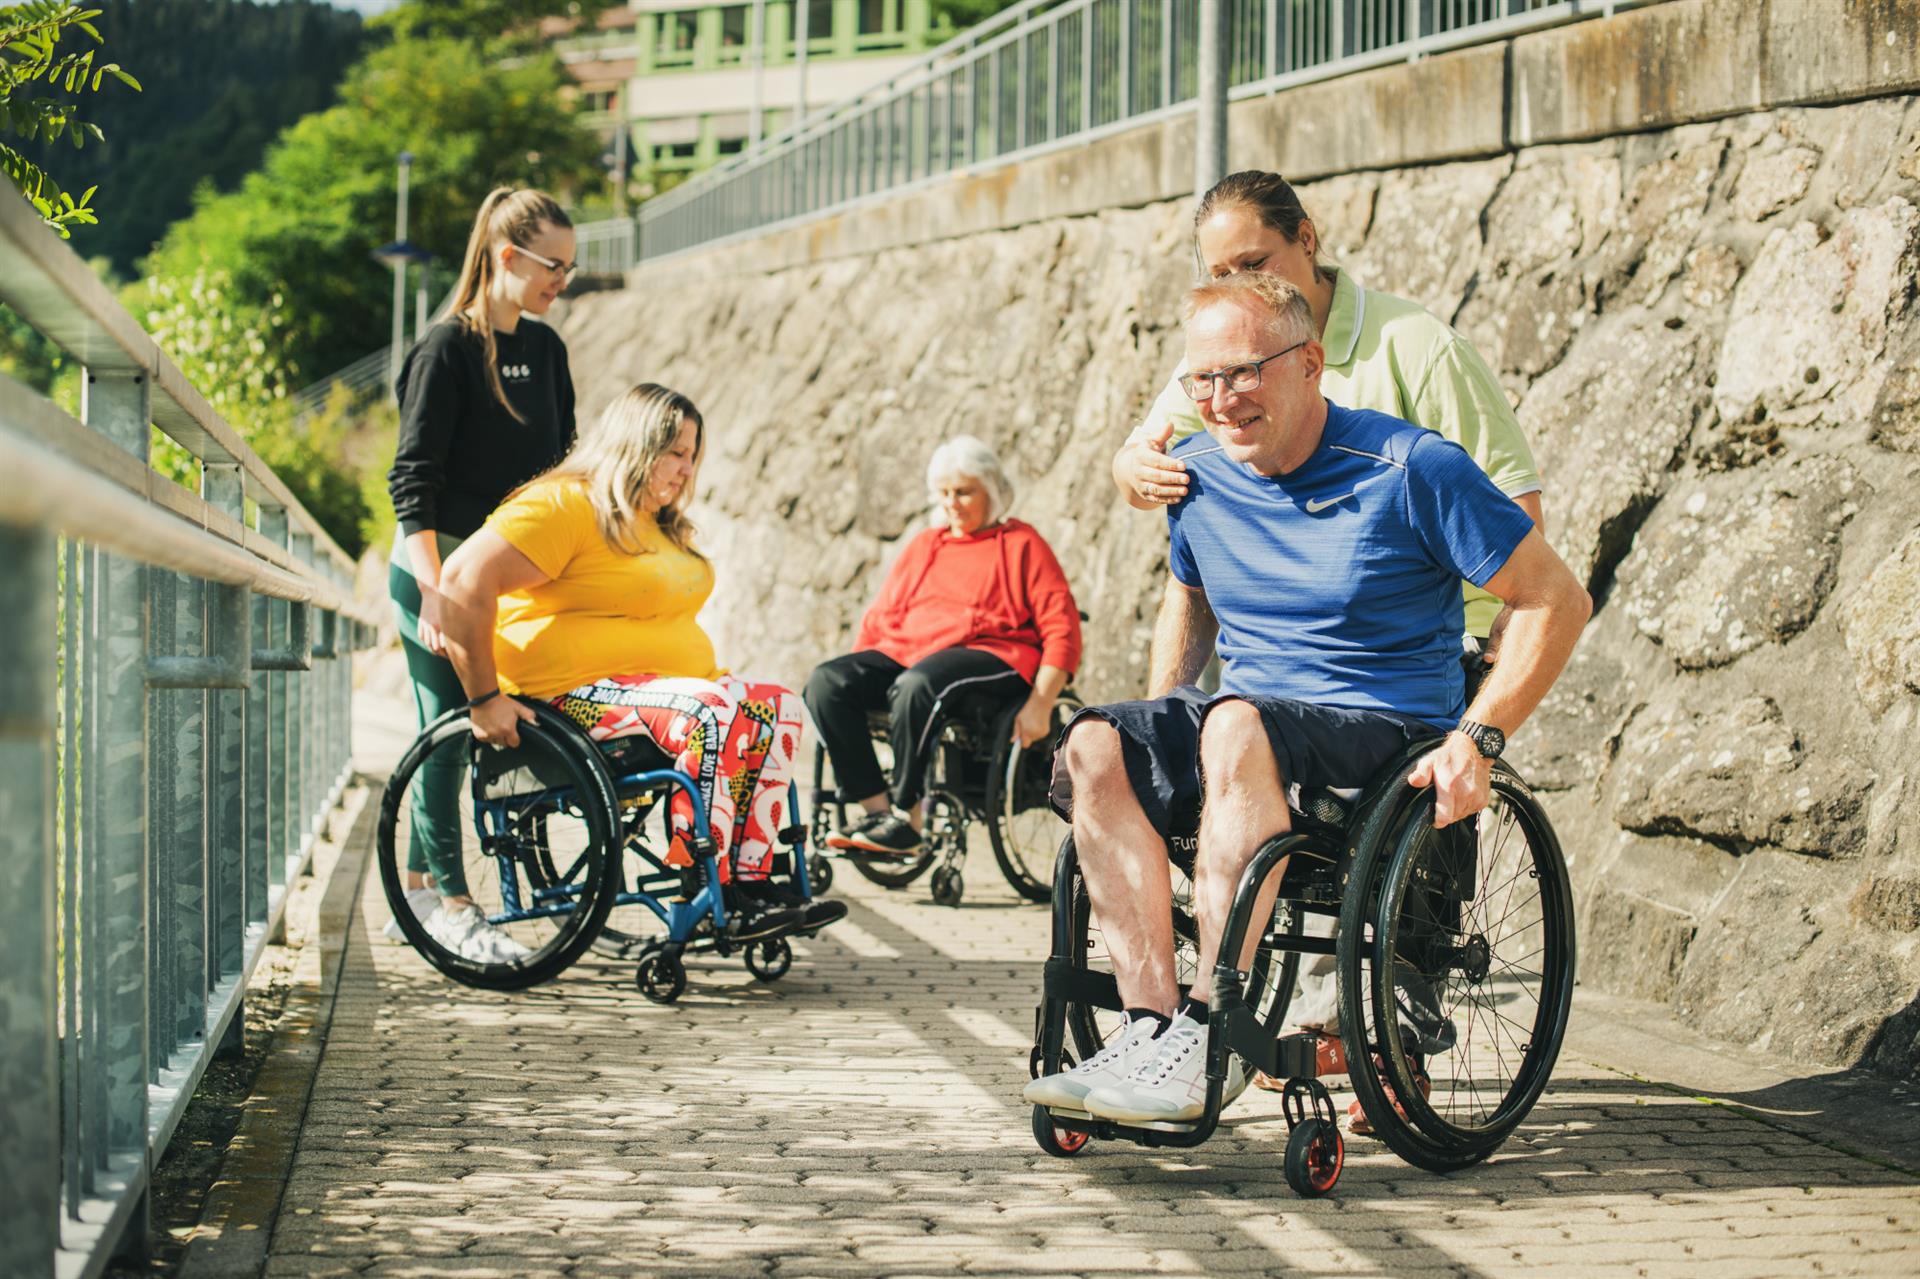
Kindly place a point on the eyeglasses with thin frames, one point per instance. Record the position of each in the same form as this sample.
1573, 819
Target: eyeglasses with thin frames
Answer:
1241, 377
565, 270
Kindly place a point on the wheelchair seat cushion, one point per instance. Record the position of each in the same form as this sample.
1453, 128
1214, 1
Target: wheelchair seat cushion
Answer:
1320, 751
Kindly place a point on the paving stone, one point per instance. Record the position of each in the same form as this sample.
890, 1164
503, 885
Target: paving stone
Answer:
862, 1118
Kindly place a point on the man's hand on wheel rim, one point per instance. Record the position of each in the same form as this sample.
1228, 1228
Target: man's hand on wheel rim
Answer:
1461, 777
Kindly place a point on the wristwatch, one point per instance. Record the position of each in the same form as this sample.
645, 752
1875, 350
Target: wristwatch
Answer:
1487, 739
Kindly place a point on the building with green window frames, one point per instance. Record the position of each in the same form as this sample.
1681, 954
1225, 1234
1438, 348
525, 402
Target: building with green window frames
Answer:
681, 78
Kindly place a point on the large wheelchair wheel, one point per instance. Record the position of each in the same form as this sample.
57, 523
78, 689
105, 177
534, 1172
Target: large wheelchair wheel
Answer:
536, 838
1269, 981
1021, 822
1456, 954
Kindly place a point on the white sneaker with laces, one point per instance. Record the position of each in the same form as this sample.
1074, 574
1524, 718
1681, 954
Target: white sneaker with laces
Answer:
466, 932
1171, 1085
1132, 1044
422, 902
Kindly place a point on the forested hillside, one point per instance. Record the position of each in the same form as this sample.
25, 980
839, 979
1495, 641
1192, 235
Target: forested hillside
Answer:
221, 79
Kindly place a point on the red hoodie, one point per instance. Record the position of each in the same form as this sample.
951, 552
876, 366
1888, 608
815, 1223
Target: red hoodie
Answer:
998, 590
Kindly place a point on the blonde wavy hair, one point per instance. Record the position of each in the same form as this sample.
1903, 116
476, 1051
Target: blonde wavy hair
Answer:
614, 462
506, 216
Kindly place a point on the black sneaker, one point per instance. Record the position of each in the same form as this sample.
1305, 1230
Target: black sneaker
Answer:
820, 912
883, 833
764, 909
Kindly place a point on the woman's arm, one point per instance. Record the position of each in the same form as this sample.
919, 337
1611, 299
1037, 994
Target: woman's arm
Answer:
471, 583
1035, 720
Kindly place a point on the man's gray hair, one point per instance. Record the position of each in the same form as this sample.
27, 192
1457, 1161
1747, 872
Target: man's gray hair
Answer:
1290, 317
966, 457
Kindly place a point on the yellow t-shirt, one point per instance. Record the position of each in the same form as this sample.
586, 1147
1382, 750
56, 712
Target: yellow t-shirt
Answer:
605, 612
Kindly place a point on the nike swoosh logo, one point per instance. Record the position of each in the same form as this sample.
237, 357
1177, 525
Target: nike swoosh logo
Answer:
1314, 508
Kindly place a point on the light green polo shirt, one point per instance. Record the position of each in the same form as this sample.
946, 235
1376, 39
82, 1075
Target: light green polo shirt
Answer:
1394, 356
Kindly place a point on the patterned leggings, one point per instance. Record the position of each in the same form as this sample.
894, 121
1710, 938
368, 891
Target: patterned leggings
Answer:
737, 738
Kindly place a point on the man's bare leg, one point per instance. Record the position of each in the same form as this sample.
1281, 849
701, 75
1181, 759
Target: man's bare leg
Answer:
1244, 805
1124, 861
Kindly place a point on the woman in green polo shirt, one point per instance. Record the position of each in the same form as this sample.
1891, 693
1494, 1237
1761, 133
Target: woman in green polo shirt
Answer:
1383, 353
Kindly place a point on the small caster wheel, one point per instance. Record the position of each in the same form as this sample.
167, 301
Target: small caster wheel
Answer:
819, 874
661, 977
769, 959
947, 887
1061, 1143
1315, 1155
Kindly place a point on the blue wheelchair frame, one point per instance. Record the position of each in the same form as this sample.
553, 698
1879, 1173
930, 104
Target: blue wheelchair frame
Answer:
681, 917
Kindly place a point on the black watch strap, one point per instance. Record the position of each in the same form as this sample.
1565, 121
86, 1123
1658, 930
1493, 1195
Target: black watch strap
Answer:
1487, 739
483, 699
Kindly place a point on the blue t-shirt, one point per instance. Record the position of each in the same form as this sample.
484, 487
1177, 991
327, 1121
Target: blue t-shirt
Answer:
1338, 584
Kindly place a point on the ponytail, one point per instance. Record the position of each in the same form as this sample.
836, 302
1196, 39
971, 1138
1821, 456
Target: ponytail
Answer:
506, 216
1269, 197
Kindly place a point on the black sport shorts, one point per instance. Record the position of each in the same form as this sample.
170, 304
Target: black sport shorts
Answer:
1316, 747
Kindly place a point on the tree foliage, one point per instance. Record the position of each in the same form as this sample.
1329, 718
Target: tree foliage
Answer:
496, 22
222, 78
305, 224
40, 88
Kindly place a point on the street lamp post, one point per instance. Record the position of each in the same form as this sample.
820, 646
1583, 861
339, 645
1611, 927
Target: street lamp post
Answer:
394, 352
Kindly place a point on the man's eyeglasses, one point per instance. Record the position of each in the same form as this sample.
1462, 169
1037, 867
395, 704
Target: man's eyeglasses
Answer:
1241, 377
565, 270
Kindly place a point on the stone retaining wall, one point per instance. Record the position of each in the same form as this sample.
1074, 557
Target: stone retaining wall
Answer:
1711, 335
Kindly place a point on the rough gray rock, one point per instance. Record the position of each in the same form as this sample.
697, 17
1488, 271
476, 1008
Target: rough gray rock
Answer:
1728, 564
1811, 318
1608, 424
1883, 628
1772, 181
1737, 775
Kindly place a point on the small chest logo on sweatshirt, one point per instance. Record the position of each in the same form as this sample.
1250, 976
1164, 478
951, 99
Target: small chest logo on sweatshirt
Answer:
516, 372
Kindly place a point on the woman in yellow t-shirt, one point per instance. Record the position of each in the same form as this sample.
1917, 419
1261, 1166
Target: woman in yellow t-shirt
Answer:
583, 588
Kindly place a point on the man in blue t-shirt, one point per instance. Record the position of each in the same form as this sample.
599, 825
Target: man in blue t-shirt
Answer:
1323, 549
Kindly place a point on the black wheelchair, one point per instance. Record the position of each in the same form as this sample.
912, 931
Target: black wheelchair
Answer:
557, 856
1455, 956
975, 774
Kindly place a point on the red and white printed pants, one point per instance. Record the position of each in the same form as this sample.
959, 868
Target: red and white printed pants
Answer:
737, 738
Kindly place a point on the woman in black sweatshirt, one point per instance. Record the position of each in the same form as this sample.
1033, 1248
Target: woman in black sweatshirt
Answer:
486, 404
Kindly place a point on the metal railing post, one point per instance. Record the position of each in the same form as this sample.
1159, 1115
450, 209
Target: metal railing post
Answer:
30, 1075
119, 405
224, 486
1166, 52
279, 788
300, 729
1129, 21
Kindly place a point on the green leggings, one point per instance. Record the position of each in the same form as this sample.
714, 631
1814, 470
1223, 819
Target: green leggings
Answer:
435, 845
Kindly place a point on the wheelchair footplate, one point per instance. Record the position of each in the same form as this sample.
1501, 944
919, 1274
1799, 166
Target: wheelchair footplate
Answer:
1315, 1152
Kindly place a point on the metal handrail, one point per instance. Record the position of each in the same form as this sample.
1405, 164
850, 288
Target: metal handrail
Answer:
172, 739
1052, 73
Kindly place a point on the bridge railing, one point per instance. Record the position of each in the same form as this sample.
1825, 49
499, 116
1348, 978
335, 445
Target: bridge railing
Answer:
1053, 73
174, 692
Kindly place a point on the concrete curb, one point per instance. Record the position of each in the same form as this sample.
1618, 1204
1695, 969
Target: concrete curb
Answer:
236, 1225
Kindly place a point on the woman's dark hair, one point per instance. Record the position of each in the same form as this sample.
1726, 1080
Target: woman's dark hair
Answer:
1268, 196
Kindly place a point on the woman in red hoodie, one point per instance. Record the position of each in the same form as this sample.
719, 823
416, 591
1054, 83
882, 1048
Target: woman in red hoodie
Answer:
974, 607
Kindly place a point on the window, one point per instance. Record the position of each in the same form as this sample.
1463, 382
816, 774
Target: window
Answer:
819, 21
732, 146
678, 151
734, 28
677, 31
873, 17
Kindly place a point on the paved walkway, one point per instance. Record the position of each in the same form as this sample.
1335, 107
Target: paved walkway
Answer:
862, 1117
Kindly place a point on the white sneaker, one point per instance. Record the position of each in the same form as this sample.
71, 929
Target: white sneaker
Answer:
1170, 1086
422, 902
466, 932
1132, 1044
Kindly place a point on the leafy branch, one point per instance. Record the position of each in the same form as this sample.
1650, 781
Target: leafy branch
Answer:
38, 88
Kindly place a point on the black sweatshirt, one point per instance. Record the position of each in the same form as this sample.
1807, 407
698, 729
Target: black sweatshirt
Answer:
460, 451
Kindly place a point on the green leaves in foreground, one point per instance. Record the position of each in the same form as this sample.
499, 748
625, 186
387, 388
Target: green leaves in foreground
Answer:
38, 85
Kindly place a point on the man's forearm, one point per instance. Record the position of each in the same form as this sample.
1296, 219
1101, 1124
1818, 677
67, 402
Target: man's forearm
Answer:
1183, 635
1538, 640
